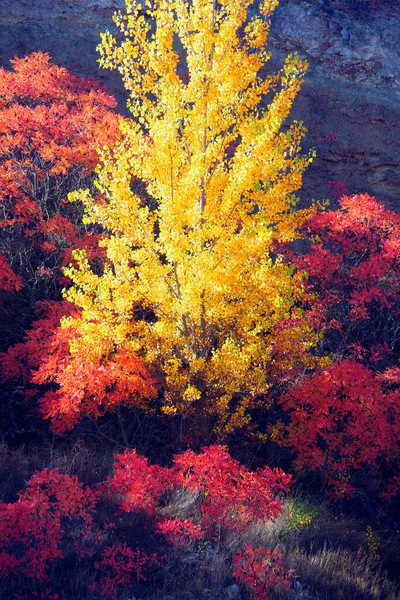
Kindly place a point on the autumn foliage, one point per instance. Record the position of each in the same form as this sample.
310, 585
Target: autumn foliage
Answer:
346, 416
119, 566
53, 508
354, 276
262, 570
85, 387
56, 518
185, 299
9, 281
51, 125
228, 494
138, 484
191, 250
341, 420
225, 494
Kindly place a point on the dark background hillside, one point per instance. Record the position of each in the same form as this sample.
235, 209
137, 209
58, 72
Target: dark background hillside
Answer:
349, 101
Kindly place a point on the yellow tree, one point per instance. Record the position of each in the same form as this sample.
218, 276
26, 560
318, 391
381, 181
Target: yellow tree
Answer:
217, 172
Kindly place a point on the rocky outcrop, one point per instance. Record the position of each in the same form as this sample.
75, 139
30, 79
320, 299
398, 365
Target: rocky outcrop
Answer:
350, 100
359, 47
77, 11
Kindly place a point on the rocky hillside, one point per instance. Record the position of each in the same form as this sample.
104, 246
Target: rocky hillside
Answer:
349, 101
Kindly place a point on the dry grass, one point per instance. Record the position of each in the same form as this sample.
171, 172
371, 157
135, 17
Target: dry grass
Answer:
16, 468
340, 574
329, 558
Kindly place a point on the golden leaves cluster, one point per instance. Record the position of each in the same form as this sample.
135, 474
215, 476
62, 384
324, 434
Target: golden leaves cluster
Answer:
207, 142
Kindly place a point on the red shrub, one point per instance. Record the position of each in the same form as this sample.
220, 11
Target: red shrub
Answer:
53, 508
227, 493
262, 571
180, 533
139, 485
9, 281
86, 386
354, 273
341, 419
119, 567
347, 417
51, 124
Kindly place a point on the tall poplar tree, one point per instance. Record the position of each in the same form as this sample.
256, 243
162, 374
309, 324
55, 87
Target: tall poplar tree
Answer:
194, 199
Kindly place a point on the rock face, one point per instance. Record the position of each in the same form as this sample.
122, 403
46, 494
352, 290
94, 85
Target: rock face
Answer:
84, 11
350, 100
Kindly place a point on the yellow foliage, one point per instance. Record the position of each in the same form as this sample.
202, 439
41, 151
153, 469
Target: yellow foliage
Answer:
195, 252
